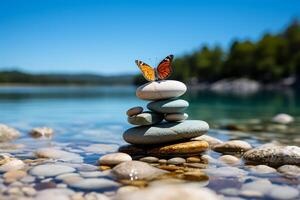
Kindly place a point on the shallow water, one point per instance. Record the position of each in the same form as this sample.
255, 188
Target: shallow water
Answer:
84, 115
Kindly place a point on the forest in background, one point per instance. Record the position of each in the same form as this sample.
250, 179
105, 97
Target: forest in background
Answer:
270, 59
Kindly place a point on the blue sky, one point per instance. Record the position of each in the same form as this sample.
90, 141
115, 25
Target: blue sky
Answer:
106, 36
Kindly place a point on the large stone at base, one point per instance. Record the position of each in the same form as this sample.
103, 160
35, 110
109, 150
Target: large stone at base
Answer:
165, 132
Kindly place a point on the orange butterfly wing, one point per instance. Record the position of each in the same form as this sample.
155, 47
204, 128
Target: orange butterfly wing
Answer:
164, 68
148, 72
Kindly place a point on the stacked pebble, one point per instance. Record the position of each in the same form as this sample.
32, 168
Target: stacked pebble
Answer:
165, 122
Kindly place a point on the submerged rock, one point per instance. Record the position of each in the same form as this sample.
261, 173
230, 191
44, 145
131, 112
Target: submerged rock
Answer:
93, 184
8, 133
114, 158
230, 160
48, 170
168, 106
180, 149
145, 118
283, 118
289, 170
158, 90
41, 132
232, 147
135, 170
273, 155
58, 154
262, 169
165, 132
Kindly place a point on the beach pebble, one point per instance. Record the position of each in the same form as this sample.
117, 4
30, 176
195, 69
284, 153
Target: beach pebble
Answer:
145, 118
48, 170
230, 160
212, 141
165, 132
93, 184
262, 169
273, 155
149, 159
54, 193
283, 192
225, 172
8, 133
176, 117
134, 111
180, 149
283, 118
232, 147
176, 161
14, 164
289, 170
158, 90
114, 158
134, 170
170, 192
58, 155
168, 106
41, 132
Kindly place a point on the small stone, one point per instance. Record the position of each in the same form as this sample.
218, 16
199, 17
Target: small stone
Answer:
11, 165
93, 184
8, 133
176, 117
170, 192
230, 160
194, 159
158, 90
180, 149
58, 155
134, 111
263, 169
168, 106
14, 175
135, 170
232, 147
162, 161
145, 118
283, 192
41, 132
114, 158
48, 170
196, 165
176, 161
195, 176
283, 119
170, 167
289, 170
211, 140
149, 159
273, 155
104, 167
165, 132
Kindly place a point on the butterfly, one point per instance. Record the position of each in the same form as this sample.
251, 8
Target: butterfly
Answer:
161, 72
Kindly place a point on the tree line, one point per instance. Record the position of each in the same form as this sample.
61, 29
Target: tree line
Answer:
271, 58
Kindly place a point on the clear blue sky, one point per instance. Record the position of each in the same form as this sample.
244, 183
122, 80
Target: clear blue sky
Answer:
106, 36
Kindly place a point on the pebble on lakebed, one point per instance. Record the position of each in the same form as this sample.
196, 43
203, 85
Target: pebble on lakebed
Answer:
41, 132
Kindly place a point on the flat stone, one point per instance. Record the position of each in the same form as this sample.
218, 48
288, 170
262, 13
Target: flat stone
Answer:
170, 192
176, 161
230, 160
58, 155
193, 159
8, 133
114, 158
145, 118
149, 159
212, 141
289, 170
176, 117
134, 111
168, 106
262, 169
135, 170
41, 132
273, 155
94, 184
283, 118
158, 90
180, 149
232, 147
48, 170
11, 165
165, 132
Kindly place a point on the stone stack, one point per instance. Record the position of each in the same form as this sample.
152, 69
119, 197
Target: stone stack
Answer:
165, 122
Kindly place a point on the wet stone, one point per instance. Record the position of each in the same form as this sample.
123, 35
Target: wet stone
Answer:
209, 139
149, 159
262, 169
230, 160
176, 161
232, 147
41, 132
48, 170
289, 170
114, 159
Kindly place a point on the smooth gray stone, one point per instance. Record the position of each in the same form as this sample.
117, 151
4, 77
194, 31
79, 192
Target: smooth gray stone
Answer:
168, 106
165, 132
145, 118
